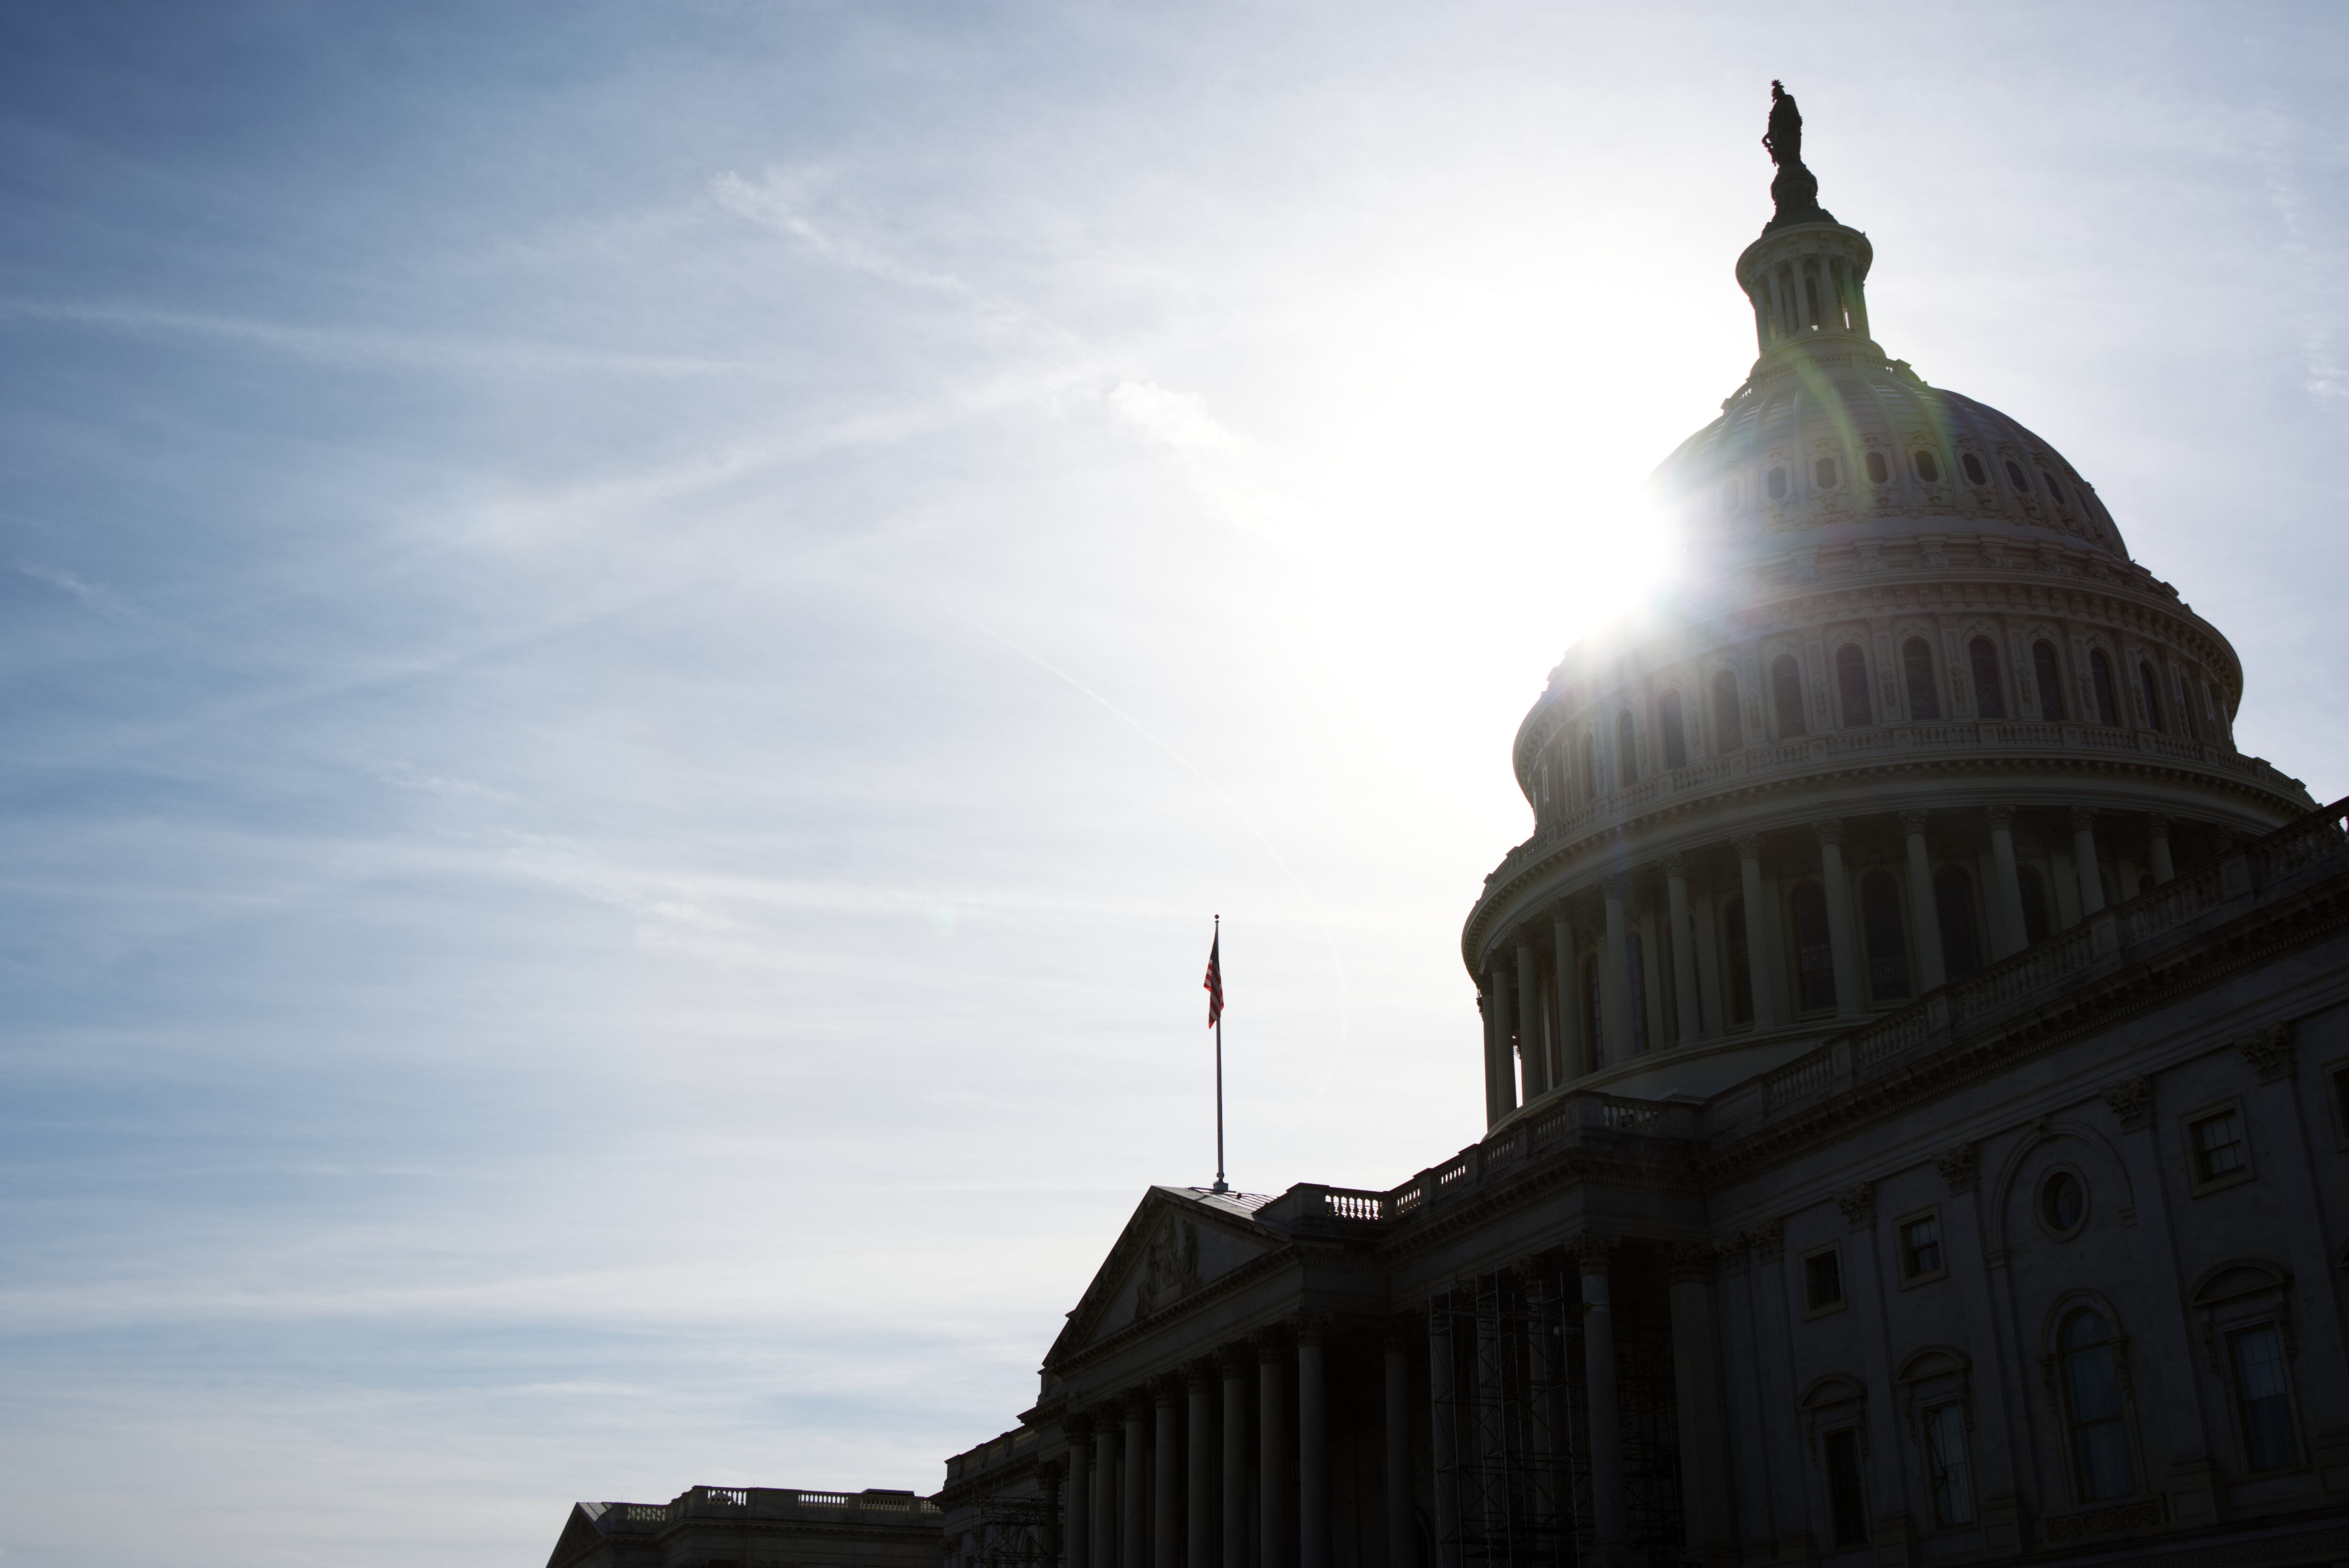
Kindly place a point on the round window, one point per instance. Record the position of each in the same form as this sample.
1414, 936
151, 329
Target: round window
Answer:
2062, 1203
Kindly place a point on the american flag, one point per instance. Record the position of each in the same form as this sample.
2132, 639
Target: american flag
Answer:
1214, 982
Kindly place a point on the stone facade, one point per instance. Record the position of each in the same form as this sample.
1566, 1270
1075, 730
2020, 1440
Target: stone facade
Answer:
753, 1527
1917, 1078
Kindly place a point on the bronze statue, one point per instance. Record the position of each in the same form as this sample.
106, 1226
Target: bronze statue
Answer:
1796, 190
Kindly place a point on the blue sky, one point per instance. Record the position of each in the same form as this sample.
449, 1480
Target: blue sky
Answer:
636, 639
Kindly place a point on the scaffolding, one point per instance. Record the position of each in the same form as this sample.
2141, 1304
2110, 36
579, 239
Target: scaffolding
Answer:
1017, 1532
1511, 1485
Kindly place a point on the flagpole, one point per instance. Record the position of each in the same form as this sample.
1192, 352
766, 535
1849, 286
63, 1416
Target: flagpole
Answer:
1220, 1185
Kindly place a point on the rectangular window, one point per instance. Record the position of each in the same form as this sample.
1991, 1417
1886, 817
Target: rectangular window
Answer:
2262, 1388
1945, 1451
1822, 1281
1921, 1246
2219, 1148
1846, 1503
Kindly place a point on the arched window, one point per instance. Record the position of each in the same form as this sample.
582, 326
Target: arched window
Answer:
1879, 470
2050, 682
1928, 469
1668, 716
1589, 767
1597, 1020
1627, 759
1741, 963
1917, 662
2100, 676
1851, 686
2034, 888
1636, 1001
2054, 490
1888, 950
1728, 727
1990, 692
1775, 483
2152, 690
1824, 472
1786, 696
1975, 472
1814, 949
1953, 907
2016, 476
2092, 1404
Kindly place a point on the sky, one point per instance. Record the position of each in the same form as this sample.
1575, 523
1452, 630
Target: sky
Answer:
638, 641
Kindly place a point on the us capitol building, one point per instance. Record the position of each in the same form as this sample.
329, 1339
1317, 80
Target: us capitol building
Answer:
1916, 1063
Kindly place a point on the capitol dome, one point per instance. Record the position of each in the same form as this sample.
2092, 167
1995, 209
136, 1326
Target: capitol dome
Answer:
1913, 710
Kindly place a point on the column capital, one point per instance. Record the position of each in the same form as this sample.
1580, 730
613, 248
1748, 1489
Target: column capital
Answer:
2002, 817
1199, 1375
1857, 1202
1689, 1262
1619, 886
1913, 820
1593, 1250
1525, 938
1271, 1347
1676, 865
1136, 1402
1828, 831
1769, 1240
1077, 1426
1401, 1330
1232, 1360
2157, 824
1166, 1388
1734, 1251
1960, 1166
1748, 846
1310, 1327
2131, 1102
2083, 819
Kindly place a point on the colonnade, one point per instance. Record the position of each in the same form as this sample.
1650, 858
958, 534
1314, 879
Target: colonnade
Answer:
1728, 961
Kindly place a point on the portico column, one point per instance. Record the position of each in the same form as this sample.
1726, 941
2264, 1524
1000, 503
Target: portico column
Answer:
1842, 940
1103, 1546
1544, 1377
1760, 973
1614, 993
1685, 999
2012, 935
1443, 1437
1272, 1458
1312, 1447
1572, 1059
1923, 913
1199, 1491
2157, 843
1529, 1041
1402, 1539
1166, 1493
1078, 1536
1593, 1255
1135, 1515
2084, 857
1236, 1530
1500, 1079
1696, 1383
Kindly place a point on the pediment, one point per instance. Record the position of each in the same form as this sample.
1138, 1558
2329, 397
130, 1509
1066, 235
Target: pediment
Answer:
1178, 1242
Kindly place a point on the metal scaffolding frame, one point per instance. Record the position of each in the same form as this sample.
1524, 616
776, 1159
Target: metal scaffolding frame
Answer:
1018, 1532
1514, 1483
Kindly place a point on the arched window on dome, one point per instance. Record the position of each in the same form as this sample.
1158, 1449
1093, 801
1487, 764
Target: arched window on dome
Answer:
1851, 686
1728, 727
1824, 473
2034, 888
1626, 758
2100, 676
1990, 692
1741, 963
1813, 948
1668, 719
1786, 697
1732, 492
2150, 685
1879, 470
1589, 769
1774, 482
1953, 908
2050, 681
2054, 490
2016, 476
1975, 473
1916, 664
1888, 947
2091, 1407
1928, 468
